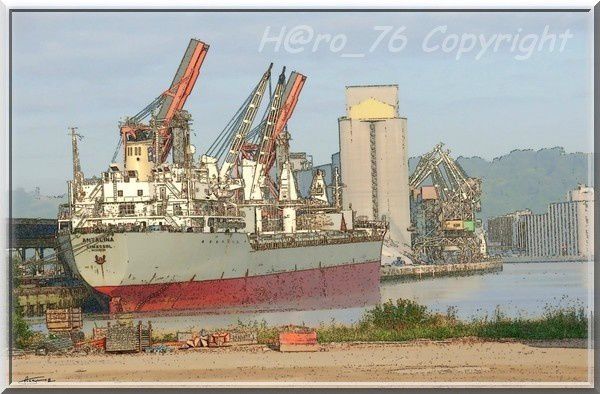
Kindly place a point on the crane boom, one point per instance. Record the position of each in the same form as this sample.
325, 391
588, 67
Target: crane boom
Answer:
289, 100
266, 141
181, 87
247, 121
169, 103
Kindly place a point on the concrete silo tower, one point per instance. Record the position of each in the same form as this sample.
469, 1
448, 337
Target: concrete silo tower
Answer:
374, 162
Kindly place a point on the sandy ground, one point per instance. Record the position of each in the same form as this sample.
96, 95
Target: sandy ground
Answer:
421, 361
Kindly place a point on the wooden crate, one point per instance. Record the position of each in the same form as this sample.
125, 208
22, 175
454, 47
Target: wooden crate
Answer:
128, 338
243, 337
99, 332
67, 319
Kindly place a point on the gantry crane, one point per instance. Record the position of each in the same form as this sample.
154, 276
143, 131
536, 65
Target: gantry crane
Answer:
444, 218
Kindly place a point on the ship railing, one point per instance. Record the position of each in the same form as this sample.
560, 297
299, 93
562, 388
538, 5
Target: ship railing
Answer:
321, 240
371, 224
124, 199
139, 228
92, 181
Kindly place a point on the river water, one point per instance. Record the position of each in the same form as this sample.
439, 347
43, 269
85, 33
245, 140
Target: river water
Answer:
520, 289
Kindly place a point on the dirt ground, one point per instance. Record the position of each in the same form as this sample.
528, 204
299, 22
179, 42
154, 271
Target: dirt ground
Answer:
463, 360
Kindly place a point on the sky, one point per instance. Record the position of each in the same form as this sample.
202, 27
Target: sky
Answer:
92, 69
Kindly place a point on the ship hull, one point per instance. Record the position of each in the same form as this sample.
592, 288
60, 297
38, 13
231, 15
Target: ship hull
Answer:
148, 272
334, 287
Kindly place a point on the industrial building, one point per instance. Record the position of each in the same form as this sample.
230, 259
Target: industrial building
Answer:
506, 233
565, 231
305, 175
374, 162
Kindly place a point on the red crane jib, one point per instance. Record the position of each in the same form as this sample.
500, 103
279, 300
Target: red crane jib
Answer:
175, 97
180, 91
292, 94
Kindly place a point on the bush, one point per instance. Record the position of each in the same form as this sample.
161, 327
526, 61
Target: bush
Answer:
402, 314
556, 323
406, 320
21, 331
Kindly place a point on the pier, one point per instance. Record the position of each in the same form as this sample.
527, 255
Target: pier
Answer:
416, 272
41, 279
36, 234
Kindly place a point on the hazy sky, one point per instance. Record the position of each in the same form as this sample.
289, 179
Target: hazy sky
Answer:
92, 69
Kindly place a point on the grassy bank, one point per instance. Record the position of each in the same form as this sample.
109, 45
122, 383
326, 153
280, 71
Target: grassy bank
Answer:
406, 320
403, 320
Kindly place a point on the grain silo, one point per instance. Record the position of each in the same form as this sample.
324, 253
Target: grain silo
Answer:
374, 162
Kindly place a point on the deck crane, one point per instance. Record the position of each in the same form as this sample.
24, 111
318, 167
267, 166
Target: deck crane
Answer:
169, 104
289, 100
266, 144
445, 219
244, 126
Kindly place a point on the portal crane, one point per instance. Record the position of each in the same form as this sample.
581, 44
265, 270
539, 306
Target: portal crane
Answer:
444, 220
450, 180
169, 104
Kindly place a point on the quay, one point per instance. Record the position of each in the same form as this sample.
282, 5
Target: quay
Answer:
41, 280
416, 272
546, 259
34, 300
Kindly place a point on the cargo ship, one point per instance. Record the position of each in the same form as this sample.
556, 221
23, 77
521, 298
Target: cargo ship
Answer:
226, 230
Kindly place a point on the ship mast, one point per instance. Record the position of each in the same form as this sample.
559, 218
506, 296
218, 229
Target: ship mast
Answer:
77, 184
337, 189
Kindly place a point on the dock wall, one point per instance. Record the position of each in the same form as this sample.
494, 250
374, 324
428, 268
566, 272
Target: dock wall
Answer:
415, 272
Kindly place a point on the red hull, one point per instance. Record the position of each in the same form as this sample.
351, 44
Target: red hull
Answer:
334, 287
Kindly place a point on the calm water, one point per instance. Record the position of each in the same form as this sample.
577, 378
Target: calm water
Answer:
520, 289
